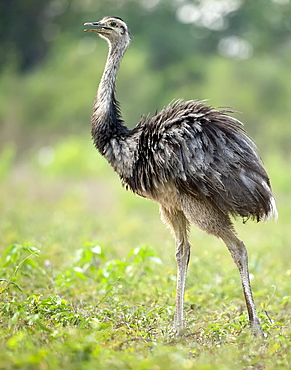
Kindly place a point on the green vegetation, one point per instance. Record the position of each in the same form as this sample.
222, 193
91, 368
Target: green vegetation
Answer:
80, 289
87, 270
243, 63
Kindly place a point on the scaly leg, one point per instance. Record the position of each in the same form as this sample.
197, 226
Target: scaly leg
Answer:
239, 254
179, 225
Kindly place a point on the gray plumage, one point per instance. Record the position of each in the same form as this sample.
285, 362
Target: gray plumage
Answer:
197, 162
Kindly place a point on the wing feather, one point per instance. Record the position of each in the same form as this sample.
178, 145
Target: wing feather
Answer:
206, 153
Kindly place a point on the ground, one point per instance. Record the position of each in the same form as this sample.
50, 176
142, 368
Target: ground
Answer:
88, 274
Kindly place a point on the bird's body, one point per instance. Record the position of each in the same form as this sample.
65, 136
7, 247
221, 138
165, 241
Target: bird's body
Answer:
198, 163
196, 150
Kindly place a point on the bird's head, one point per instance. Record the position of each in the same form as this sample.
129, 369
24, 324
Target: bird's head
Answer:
113, 29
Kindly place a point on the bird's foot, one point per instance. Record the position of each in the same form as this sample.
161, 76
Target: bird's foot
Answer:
257, 330
178, 329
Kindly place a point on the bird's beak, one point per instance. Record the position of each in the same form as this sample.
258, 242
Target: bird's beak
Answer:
98, 24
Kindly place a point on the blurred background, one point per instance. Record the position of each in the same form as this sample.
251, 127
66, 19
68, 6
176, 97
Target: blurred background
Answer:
234, 53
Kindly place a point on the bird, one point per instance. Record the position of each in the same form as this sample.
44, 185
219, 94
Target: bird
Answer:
197, 162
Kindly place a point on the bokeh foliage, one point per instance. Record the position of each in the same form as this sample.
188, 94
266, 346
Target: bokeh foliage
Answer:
232, 52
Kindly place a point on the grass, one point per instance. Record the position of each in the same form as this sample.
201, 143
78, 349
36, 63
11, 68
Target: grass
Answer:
87, 274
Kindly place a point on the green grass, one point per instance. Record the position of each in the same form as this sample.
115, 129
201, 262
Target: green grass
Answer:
88, 274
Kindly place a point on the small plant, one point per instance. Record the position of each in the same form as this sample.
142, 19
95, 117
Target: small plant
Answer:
13, 259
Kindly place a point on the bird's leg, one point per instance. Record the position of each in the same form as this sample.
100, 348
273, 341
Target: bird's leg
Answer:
179, 226
182, 257
239, 254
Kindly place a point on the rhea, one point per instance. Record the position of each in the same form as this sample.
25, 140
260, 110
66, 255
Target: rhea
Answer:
196, 162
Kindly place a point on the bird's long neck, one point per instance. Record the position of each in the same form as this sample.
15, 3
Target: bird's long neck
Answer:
106, 118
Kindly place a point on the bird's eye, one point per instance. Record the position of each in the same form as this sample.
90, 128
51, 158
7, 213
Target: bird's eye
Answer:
113, 24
